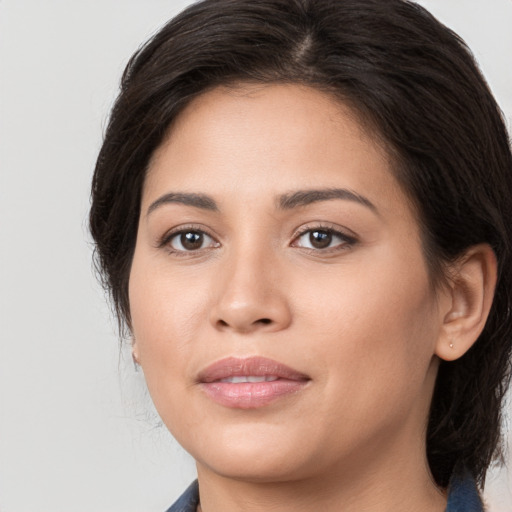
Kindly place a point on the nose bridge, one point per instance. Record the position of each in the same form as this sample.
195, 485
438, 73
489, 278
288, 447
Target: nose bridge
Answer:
250, 294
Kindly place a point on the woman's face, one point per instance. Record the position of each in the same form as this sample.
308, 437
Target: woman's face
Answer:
280, 301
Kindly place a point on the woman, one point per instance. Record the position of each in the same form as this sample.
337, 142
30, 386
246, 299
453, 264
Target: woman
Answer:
303, 212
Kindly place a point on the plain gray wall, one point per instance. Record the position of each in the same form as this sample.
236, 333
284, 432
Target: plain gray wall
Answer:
77, 431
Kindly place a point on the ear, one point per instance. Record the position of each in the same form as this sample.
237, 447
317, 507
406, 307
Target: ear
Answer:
135, 352
470, 293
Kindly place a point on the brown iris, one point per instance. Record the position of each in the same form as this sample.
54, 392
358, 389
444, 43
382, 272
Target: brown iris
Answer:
192, 240
320, 239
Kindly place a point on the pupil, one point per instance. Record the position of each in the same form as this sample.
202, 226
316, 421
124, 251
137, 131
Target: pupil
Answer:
320, 239
191, 240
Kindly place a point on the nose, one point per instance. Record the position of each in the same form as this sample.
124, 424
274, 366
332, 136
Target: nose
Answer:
251, 296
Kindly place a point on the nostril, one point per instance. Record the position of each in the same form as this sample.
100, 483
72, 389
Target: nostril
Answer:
264, 321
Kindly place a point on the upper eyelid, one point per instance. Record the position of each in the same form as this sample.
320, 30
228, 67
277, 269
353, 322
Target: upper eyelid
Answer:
339, 230
169, 234
346, 240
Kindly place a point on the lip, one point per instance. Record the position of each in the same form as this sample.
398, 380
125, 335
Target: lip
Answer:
250, 395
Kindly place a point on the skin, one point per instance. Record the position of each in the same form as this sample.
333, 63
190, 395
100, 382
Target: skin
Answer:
359, 318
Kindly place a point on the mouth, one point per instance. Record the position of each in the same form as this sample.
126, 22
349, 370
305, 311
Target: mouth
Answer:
250, 383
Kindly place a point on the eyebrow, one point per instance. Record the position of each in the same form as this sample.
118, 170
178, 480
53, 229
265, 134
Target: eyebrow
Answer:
201, 201
284, 202
306, 197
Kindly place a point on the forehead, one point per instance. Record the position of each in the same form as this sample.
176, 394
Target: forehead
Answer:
270, 138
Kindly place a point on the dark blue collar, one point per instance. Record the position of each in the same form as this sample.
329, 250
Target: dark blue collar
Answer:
188, 501
463, 496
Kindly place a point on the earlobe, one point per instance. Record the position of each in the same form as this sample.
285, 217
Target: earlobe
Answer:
471, 290
135, 354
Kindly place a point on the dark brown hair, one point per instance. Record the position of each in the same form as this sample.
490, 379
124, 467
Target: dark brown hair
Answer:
415, 83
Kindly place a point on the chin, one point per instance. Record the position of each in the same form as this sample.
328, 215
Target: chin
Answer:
254, 455
257, 470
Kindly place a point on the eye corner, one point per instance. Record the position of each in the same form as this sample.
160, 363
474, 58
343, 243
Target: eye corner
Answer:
326, 235
187, 241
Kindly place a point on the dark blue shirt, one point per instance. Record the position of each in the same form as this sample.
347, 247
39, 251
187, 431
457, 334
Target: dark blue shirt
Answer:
463, 496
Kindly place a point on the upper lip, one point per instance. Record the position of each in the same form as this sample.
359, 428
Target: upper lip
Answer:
247, 366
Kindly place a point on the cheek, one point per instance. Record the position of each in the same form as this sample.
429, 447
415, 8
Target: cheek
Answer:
165, 312
164, 323
375, 326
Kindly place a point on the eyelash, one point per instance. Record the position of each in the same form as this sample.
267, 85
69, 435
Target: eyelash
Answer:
347, 241
165, 241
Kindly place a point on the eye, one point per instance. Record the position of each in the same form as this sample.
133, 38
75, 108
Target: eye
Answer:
323, 238
190, 240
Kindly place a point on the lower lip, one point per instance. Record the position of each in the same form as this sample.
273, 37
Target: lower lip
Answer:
251, 395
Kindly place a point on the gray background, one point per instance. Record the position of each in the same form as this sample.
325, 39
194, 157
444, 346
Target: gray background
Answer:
77, 430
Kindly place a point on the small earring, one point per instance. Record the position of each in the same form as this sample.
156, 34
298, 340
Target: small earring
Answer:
451, 344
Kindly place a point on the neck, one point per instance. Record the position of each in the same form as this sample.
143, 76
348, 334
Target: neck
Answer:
400, 485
